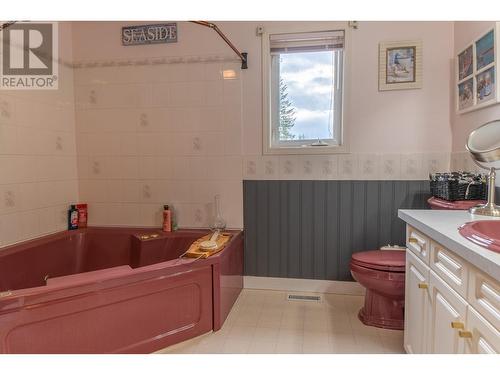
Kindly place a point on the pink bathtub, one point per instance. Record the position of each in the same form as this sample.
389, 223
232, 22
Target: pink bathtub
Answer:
106, 290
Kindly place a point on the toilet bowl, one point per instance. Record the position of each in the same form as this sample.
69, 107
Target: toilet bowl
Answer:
441, 204
382, 273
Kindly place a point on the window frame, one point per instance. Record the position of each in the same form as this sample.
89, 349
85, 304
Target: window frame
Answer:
298, 147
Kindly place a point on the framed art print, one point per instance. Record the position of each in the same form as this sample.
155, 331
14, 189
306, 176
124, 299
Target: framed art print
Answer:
465, 63
485, 86
400, 65
485, 50
465, 94
477, 83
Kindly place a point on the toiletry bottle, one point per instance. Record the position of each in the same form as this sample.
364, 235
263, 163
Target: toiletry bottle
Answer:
174, 221
72, 218
82, 215
167, 219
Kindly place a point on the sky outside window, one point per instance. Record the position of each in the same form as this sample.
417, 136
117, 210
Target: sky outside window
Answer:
309, 79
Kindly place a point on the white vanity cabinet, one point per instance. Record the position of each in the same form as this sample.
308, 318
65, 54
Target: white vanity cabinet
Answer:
416, 292
450, 306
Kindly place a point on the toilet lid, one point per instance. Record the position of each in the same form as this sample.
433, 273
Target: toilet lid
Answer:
383, 260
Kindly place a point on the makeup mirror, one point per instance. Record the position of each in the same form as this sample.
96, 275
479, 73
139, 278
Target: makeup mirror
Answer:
484, 146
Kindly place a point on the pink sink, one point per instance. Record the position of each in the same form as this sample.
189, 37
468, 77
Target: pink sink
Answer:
485, 233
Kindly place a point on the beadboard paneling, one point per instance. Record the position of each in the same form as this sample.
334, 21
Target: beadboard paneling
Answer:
309, 229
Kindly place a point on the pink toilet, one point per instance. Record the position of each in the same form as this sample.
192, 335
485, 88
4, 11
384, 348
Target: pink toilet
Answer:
382, 273
441, 204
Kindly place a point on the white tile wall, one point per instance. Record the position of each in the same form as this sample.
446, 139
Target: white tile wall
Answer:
38, 174
160, 134
38, 178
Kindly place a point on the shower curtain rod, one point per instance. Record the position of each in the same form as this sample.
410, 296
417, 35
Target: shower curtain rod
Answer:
7, 24
242, 55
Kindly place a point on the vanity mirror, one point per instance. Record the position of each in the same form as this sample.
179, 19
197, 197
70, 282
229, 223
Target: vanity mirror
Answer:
484, 146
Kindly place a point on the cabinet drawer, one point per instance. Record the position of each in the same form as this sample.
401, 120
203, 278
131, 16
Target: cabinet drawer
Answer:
418, 243
451, 268
484, 296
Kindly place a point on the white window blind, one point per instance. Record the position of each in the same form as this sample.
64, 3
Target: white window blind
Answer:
306, 42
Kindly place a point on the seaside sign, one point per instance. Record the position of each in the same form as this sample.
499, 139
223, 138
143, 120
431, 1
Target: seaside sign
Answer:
149, 34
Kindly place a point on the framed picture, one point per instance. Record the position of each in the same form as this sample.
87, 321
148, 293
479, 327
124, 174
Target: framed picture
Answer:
476, 72
466, 94
485, 50
400, 65
465, 63
485, 85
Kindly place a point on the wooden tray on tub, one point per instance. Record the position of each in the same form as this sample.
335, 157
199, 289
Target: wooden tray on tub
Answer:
195, 251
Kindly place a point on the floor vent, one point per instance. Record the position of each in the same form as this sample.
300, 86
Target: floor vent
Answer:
301, 297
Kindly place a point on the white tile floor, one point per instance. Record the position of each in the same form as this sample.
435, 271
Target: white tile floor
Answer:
264, 321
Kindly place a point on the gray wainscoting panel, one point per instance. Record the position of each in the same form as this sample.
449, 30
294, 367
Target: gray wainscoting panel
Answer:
309, 229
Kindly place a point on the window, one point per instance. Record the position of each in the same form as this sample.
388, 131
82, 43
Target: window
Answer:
303, 103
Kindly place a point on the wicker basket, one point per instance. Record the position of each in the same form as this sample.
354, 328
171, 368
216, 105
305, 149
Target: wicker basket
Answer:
468, 187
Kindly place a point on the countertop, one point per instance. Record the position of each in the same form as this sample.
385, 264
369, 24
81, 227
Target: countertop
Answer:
442, 227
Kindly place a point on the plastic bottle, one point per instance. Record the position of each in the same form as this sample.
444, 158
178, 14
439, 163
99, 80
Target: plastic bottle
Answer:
72, 218
167, 219
82, 215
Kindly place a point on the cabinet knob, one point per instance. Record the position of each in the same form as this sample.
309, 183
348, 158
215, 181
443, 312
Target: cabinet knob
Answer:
423, 285
457, 325
412, 240
465, 334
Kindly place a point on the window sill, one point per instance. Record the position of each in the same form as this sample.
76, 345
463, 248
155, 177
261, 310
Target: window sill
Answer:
306, 150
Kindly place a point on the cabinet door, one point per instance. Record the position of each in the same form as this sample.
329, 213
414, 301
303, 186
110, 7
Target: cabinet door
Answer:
416, 304
484, 338
447, 318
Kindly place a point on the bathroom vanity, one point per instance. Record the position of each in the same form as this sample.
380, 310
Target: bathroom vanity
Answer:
452, 300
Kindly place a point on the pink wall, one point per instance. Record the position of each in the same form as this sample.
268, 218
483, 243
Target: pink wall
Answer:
402, 134
402, 121
127, 170
463, 124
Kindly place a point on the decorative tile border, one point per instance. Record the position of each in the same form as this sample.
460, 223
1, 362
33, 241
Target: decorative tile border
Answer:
345, 167
462, 161
160, 60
